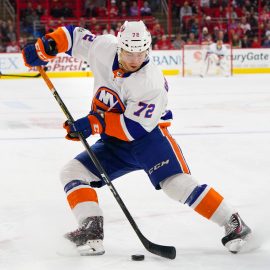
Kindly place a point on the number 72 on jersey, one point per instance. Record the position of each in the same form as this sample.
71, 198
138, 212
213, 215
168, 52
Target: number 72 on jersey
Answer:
145, 109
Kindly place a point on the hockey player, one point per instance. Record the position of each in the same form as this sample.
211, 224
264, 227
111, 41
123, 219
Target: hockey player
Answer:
216, 57
129, 102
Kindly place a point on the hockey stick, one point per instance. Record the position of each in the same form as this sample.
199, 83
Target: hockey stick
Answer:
163, 251
22, 76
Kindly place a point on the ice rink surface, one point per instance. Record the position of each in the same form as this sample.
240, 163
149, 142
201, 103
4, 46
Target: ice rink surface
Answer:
223, 128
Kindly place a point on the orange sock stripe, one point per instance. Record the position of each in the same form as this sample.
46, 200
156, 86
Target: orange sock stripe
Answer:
113, 126
82, 195
176, 149
209, 204
59, 36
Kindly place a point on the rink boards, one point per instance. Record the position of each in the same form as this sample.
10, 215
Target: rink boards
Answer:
245, 61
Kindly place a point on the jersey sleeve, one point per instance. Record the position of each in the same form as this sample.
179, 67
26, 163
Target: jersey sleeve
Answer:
142, 113
79, 42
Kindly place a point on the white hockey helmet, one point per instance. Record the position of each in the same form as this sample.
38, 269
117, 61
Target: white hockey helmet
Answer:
134, 37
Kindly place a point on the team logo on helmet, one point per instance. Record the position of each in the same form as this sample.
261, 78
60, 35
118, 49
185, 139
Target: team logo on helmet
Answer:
122, 28
134, 37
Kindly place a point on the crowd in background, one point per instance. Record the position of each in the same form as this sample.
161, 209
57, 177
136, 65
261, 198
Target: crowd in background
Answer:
239, 22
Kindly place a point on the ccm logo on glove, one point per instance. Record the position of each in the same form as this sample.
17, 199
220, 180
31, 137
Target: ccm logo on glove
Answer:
88, 125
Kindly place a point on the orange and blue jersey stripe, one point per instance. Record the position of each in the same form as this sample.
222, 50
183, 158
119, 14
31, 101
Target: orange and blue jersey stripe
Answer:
176, 149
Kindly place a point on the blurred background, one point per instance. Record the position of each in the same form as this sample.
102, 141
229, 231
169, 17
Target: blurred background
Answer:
172, 23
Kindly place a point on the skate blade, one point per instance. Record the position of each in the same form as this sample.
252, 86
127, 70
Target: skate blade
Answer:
237, 245
87, 250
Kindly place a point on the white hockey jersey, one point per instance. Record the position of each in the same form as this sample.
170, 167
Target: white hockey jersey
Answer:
133, 102
213, 49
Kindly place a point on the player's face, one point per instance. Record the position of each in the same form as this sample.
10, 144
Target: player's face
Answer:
132, 61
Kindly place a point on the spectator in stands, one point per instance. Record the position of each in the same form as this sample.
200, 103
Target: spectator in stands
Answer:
113, 10
157, 32
50, 26
238, 3
191, 39
145, 9
230, 13
185, 13
97, 30
236, 41
255, 43
265, 14
248, 5
23, 41
102, 10
26, 18
133, 10
4, 32
205, 38
215, 34
2, 47
232, 26
13, 47
245, 42
207, 22
117, 28
214, 3
267, 29
90, 9
193, 25
245, 26
266, 43
239, 30
220, 12
46, 16
252, 18
164, 44
10, 31
93, 23
155, 4
205, 3
28, 10
123, 11
82, 23
39, 10
108, 30
178, 43
56, 9
176, 5
66, 11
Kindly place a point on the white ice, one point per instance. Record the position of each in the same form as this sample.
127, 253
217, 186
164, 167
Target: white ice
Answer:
223, 128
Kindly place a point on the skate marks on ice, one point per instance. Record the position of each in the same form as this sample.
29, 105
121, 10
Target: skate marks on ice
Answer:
30, 241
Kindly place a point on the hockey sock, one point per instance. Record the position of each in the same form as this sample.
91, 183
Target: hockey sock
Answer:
210, 204
83, 200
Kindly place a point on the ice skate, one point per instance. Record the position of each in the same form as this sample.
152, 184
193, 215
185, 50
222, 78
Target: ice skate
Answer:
89, 237
236, 234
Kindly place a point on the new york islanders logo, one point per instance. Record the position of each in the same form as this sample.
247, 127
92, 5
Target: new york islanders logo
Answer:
106, 100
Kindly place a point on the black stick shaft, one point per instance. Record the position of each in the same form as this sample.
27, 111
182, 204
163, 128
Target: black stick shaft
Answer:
163, 251
22, 76
19, 76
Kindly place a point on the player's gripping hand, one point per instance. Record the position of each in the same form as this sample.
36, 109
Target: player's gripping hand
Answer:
91, 124
40, 53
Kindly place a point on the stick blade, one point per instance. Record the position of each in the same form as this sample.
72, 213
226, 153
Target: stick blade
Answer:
168, 252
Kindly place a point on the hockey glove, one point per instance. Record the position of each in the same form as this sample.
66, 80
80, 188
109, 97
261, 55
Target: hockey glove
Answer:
88, 125
40, 53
